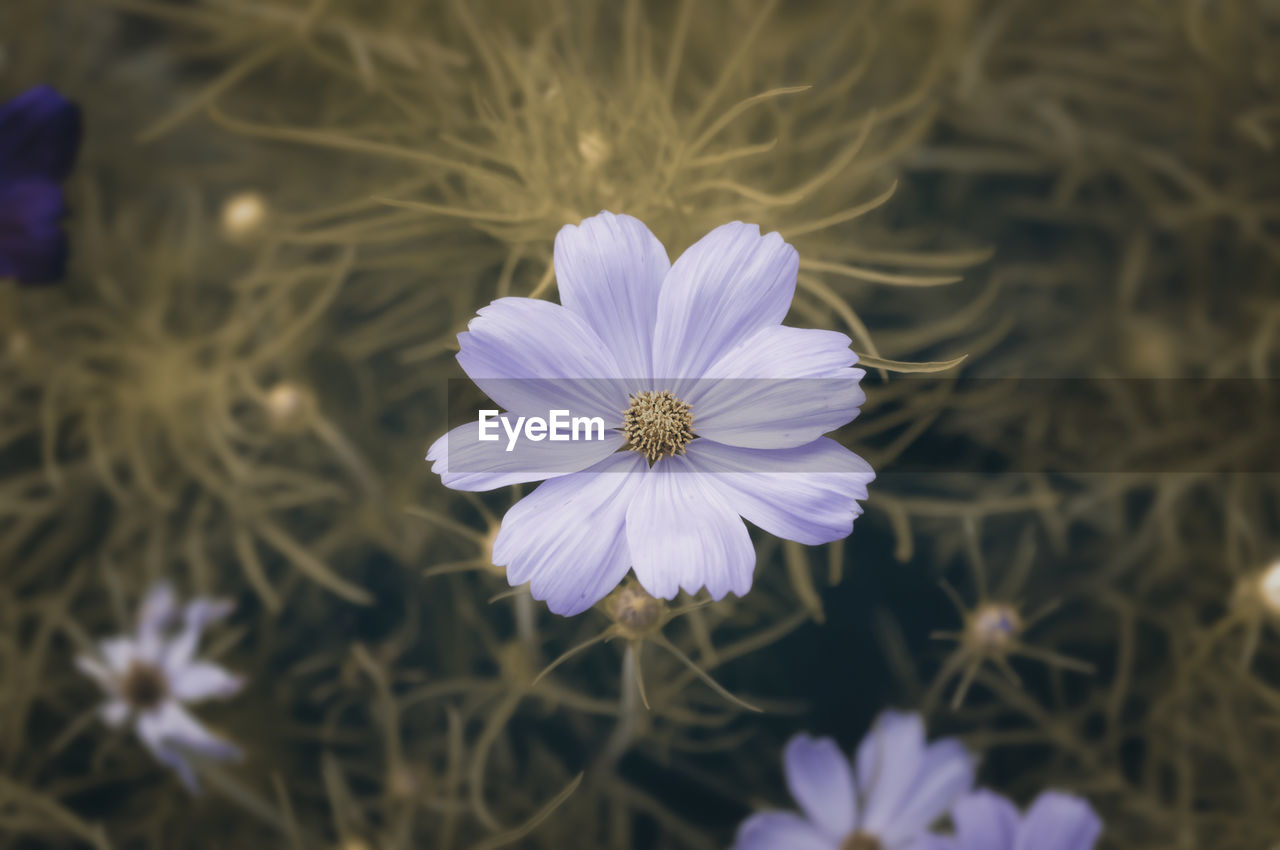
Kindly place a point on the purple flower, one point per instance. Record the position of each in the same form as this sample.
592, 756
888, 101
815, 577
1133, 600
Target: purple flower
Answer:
39, 136
149, 678
714, 412
897, 787
986, 821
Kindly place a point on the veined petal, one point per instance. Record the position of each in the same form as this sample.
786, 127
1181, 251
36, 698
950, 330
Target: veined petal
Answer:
683, 534
1058, 821
532, 356
566, 537
610, 270
821, 781
465, 462
888, 762
39, 135
780, 831
779, 388
728, 285
985, 820
201, 680
945, 774
807, 494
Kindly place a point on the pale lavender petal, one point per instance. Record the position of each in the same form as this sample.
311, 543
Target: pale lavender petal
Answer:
610, 270
152, 731
95, 669
727, 286
566, 537
780, 388
944, 775
173, 726
201, 680
807, 494
682, 534
531, 356
464, 462
198, 614
1059, 821
120, 652
114, 712
985, 820
821, 781
888, 763
157, 612
781, 831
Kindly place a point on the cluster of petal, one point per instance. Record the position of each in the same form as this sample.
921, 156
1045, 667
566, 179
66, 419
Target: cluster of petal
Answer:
708, 329
39, 138
165, 643
985, 820
897, 787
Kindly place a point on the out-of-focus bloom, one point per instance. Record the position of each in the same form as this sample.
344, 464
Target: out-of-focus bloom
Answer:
151, 676
897, 787
986, 821
39, 137
722, 407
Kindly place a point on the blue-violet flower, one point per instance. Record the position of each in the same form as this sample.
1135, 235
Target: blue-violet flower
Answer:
39, 137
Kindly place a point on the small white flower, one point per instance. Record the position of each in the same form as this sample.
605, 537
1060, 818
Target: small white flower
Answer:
151, 676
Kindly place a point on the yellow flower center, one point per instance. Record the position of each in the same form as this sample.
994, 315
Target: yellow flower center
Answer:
657, 425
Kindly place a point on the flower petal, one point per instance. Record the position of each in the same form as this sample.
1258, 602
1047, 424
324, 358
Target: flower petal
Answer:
728, 285
610, 270
1058, 821
156, 614
114, 712
888, 763
199, 613
566, 537
943, 776
39, 135
683, 534
821, 781
780, 831
33, 246
170, 733
95, 669
781, 387
120, 652
201, 680
465, 462
985, 820
807, 494
173, 725
532, 356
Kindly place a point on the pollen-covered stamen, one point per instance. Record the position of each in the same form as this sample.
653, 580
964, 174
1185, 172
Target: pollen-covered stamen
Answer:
860, 840
658, 425
143, 686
